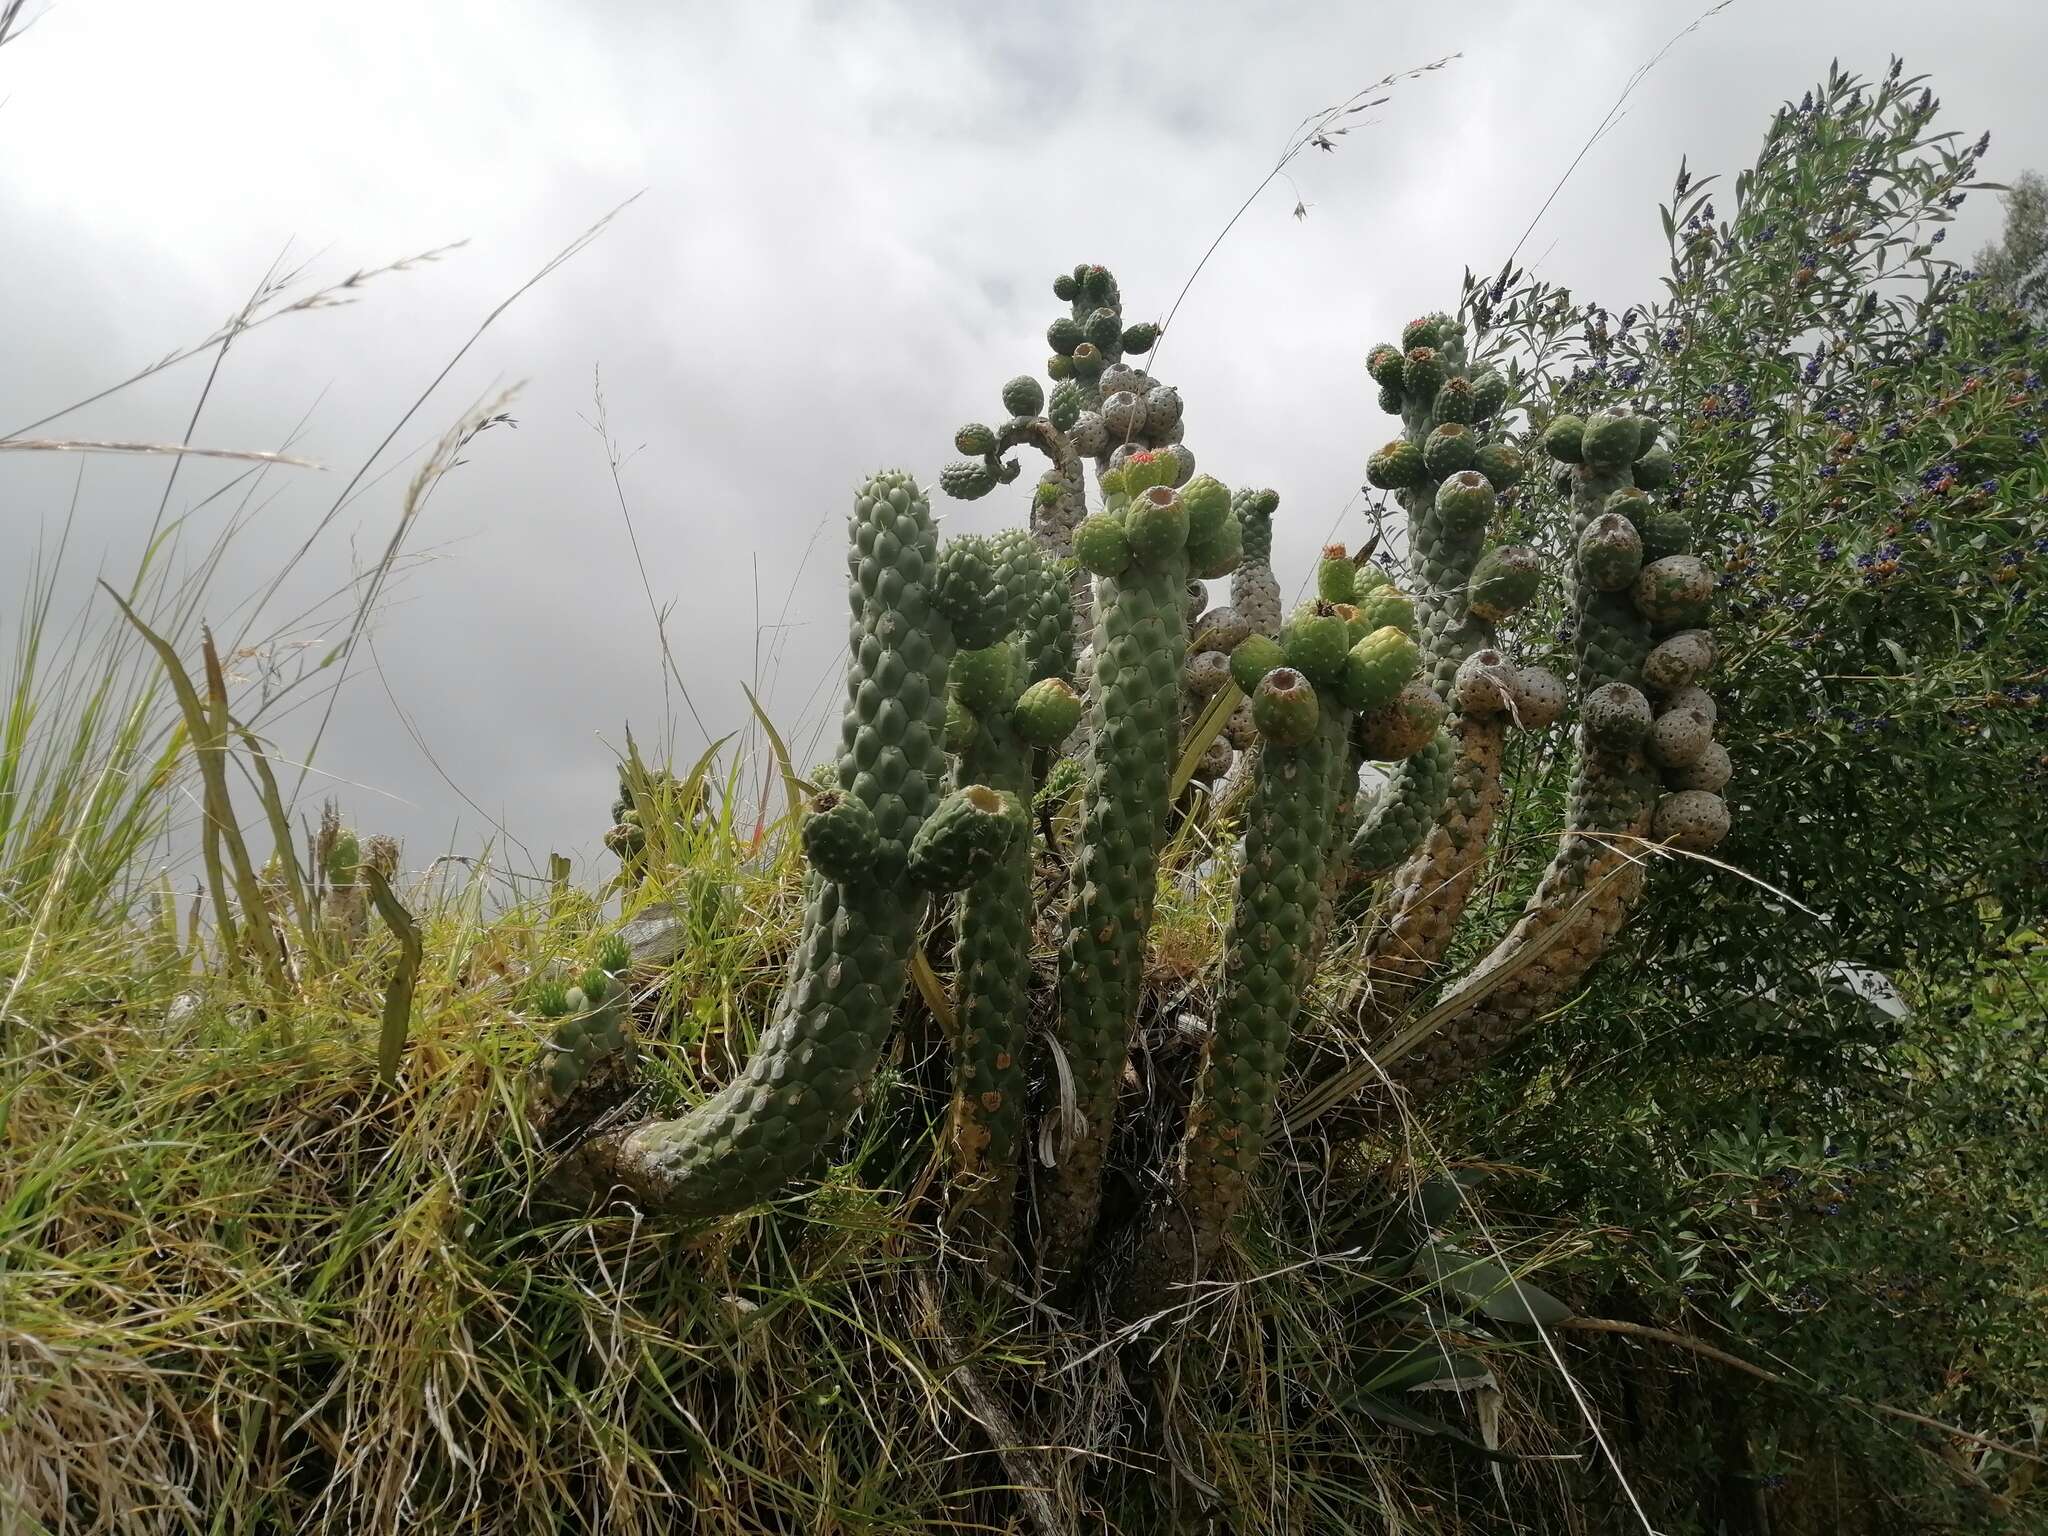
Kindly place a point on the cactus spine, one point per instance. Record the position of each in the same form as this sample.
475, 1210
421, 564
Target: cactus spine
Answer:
810, 1071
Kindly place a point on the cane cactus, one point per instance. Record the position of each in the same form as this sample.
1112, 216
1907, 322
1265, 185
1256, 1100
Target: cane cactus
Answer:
878, 844
1447, 474
1017, 702
1639, 603
1304, 709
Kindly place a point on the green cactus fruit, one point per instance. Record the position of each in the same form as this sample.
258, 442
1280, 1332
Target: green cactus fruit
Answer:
1455, 401
1422, 374
1066, 287
1101, 545
840, 836
1656, 468
1464, 502
961, 727
1219, 554
964, 838
1616, 717
1406, 809
1060, 785
1378, 667
1023, 396
848, 968
1065, 405
1207, 500
985, 679
1692, 819
1680, 661
1630, 503
1489, 393
975, 439
964, 481
1387, 605
1140, 338
1255, 656
1390, 400
1396, 466
1673, 592
964, 583
1502, 463
1610, 552
1503, 581
344, 859
1403, 728
1316, 643
1047, 712
1431, 330
1564, 439
1284, 708
1105, 329
1449, 449
1156, 525
1065, 334
1384, 364
1647, 431
1336, 576
1354, 626
1666, 531
1059, 368
1608, 440
1368, 578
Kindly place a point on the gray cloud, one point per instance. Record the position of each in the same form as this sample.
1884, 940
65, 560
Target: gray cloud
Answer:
849, 222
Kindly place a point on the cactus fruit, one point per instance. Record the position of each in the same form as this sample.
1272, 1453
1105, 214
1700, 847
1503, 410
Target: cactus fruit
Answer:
1403, 728
1564, 438
810, 1070
1387, 606
1284, 708
1464, 504
1396, 466
1691, 819
1503, 582
1378, 667
964, 838
1254, 657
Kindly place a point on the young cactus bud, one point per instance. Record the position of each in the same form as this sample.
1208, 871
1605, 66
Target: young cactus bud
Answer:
1383, 363
1422, 373
1378, 667
1609, 439
1217, 554
1284, 709
1065, 334
1455, 402
1665, 532
975, 439
1386, 605
1431, 330
1254, 657
985, 680
1450, 448
1023, 396
1464, 502
962, 840
1489, 393
1101, 545
1047, 712
1063, 409
1336, 576
1564, 438
840, 837
1316, 644
1656, 468
1501, 463
1140, 338
1503, 581
1156, 525
1396, 466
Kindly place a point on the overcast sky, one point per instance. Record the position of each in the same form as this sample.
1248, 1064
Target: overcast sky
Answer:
848, 223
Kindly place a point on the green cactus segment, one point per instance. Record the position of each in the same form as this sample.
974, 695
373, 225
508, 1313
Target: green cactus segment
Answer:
1268, 965
1254, 589
1254, 657
1336, 576
591, 1020
1378, 667
1047, 712
1503, 582
1132, 729
810, 1071
1394, 825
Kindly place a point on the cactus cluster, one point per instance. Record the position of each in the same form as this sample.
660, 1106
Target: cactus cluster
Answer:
962, 718
339, 858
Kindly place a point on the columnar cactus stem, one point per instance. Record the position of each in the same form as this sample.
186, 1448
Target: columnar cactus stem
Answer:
868, 841
1141, 550
1013, 710
1446, 476
1597, 874
1303, 709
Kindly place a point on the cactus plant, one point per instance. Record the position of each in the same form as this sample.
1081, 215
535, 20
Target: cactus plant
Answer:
810, 1070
